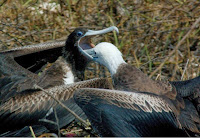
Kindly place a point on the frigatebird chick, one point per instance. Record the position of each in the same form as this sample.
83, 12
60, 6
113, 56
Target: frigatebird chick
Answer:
139, 106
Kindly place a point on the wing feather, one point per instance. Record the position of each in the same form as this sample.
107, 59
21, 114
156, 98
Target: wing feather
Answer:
34, 57
25, 50
121, 113
128, 99
28, 107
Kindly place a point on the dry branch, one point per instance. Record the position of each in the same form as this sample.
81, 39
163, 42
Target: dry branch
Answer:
176, 48
59, 102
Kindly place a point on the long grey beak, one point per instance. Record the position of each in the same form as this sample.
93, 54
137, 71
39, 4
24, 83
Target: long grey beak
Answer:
99, 32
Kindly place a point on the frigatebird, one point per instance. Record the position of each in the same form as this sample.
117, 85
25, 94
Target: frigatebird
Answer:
139, 106
20, 103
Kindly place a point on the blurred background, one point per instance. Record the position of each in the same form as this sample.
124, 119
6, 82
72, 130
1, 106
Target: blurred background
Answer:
149, 30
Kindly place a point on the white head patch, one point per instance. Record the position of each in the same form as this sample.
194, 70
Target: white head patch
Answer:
108, 55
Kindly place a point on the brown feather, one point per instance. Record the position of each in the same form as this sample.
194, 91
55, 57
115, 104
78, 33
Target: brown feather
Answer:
129, 78
17, 52
135, 101
189, 118
39, 100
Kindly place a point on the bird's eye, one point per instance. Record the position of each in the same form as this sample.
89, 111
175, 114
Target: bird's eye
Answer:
95, 56
79, 33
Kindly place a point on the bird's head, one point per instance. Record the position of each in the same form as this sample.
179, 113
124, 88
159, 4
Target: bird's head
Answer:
106, 54
81, 37
78, 41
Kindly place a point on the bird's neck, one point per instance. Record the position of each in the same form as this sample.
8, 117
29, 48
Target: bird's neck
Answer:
114, 64
75, 59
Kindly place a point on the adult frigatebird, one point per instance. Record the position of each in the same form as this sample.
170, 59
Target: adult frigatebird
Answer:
21, 104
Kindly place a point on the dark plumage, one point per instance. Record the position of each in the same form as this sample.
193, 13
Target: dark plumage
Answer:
34, 57
122, 113
29, 106
20, 103
189, 89
143, 107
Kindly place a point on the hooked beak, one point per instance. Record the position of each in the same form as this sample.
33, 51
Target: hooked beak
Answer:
87, 37
99, 32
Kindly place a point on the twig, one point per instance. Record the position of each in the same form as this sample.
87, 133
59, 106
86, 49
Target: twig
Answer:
157, 77
185, 69
12, 37
48, 121
79, 130
176, 65
59, 102
32, 132
177, 46
57, 121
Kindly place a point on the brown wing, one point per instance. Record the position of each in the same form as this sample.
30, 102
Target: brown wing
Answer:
8, 67
189, 117
131, 100
15, 79
34, 57
121, 113
32, 101
29, 49
12, 75
29, 106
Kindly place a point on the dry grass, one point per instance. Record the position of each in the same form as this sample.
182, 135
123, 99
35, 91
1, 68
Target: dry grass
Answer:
149, 30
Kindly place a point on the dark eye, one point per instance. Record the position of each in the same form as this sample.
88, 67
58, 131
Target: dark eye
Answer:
79, 33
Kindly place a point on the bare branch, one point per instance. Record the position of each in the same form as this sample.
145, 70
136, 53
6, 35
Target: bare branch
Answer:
176, 48
59, 102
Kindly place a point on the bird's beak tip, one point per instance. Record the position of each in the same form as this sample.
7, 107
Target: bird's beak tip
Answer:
116, 29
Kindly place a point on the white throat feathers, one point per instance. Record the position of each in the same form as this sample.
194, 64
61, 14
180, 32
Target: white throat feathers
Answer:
68, 77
